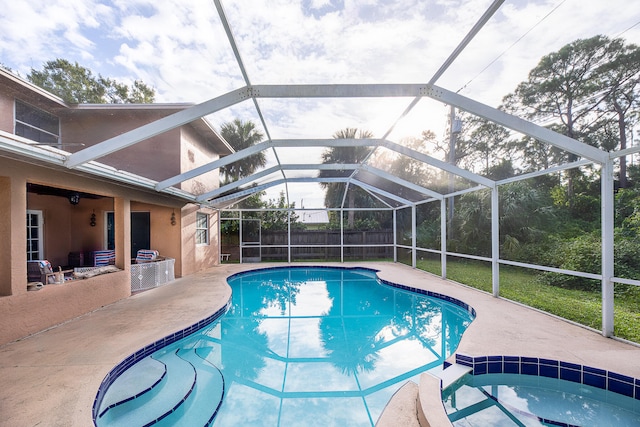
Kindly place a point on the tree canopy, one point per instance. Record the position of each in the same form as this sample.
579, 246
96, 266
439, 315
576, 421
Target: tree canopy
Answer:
76, 84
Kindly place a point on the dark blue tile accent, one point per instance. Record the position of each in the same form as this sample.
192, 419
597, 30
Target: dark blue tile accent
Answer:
549, 371
494, 367
596, 371
594, 380
480, 368
571, 366
529, 369
620, 387
465, 358
571, 375
595, 377
619, 377
511, 367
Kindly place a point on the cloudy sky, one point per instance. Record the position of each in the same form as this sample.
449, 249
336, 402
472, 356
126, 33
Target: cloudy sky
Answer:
179, 47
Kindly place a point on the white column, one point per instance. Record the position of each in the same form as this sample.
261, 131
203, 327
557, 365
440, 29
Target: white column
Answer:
414, 238
395, 235
443, 237
495, 241
607, 206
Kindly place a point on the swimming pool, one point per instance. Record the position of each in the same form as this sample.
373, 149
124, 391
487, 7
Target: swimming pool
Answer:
298, 345
539, 396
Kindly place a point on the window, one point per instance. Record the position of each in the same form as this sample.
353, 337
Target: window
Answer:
202, 229
36, 125
34, 235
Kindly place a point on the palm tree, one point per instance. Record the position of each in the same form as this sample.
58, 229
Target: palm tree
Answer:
241, 135
346, 155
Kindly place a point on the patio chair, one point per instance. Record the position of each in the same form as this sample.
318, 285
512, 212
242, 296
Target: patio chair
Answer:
48, 276
147, 255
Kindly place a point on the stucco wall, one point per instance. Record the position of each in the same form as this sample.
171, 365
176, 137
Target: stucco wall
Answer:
198, 257
25, 312
165, 238
195, 153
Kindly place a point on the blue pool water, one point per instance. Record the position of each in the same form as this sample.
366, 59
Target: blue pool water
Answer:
298, 346
524, 400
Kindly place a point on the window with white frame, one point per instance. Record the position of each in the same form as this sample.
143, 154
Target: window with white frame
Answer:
36, 125
202, 229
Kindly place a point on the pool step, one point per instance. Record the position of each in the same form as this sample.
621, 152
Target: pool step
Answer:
203, 403
159, 402
136, 381
452, 374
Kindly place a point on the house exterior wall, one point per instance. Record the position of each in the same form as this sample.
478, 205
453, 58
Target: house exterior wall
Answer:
67, 228
194, 154
25, 312
93, 126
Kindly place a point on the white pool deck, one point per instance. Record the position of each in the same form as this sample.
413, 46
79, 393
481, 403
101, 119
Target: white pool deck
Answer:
51, 378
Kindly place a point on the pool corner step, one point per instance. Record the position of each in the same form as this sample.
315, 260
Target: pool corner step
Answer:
452, 374
173, 391
133, 383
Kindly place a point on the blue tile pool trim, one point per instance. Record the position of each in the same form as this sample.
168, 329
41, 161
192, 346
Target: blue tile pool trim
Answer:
148, 350
587, 375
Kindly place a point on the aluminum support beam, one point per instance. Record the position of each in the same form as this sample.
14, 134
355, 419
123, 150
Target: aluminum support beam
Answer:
157, 127
607, 218
495, 242
443, 238
414, 237
401, 182
515, 123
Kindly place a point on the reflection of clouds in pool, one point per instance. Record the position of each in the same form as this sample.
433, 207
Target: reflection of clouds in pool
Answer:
312, 300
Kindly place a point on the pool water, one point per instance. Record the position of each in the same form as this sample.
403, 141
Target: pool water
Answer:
301, 346
524, 400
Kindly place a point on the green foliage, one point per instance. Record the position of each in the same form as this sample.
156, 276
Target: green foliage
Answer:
76, 84
583, 254
242, 135
522, 285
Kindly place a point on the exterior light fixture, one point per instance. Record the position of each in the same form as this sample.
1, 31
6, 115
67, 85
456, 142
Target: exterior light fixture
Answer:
92, 221
173, 218
74, 198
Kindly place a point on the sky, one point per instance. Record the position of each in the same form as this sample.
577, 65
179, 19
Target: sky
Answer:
180, 48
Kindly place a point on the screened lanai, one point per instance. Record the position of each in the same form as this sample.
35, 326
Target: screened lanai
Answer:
414, 75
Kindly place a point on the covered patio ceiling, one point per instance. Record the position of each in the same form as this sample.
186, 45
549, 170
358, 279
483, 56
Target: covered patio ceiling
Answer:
289, 168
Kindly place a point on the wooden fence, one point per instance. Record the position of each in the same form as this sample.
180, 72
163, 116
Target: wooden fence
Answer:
319, 245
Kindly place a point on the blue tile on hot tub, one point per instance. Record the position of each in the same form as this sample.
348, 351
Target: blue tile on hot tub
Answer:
480, 369
594, 380
511, 367
548, 371
570, 375
620, 387
529, 368
494, 367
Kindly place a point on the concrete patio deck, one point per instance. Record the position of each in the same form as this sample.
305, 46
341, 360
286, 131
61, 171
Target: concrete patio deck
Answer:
51, 378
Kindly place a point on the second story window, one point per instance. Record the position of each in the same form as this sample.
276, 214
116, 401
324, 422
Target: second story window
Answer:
36, 125
202, 229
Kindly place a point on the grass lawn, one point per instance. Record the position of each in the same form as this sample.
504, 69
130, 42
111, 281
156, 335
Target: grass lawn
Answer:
523, 285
